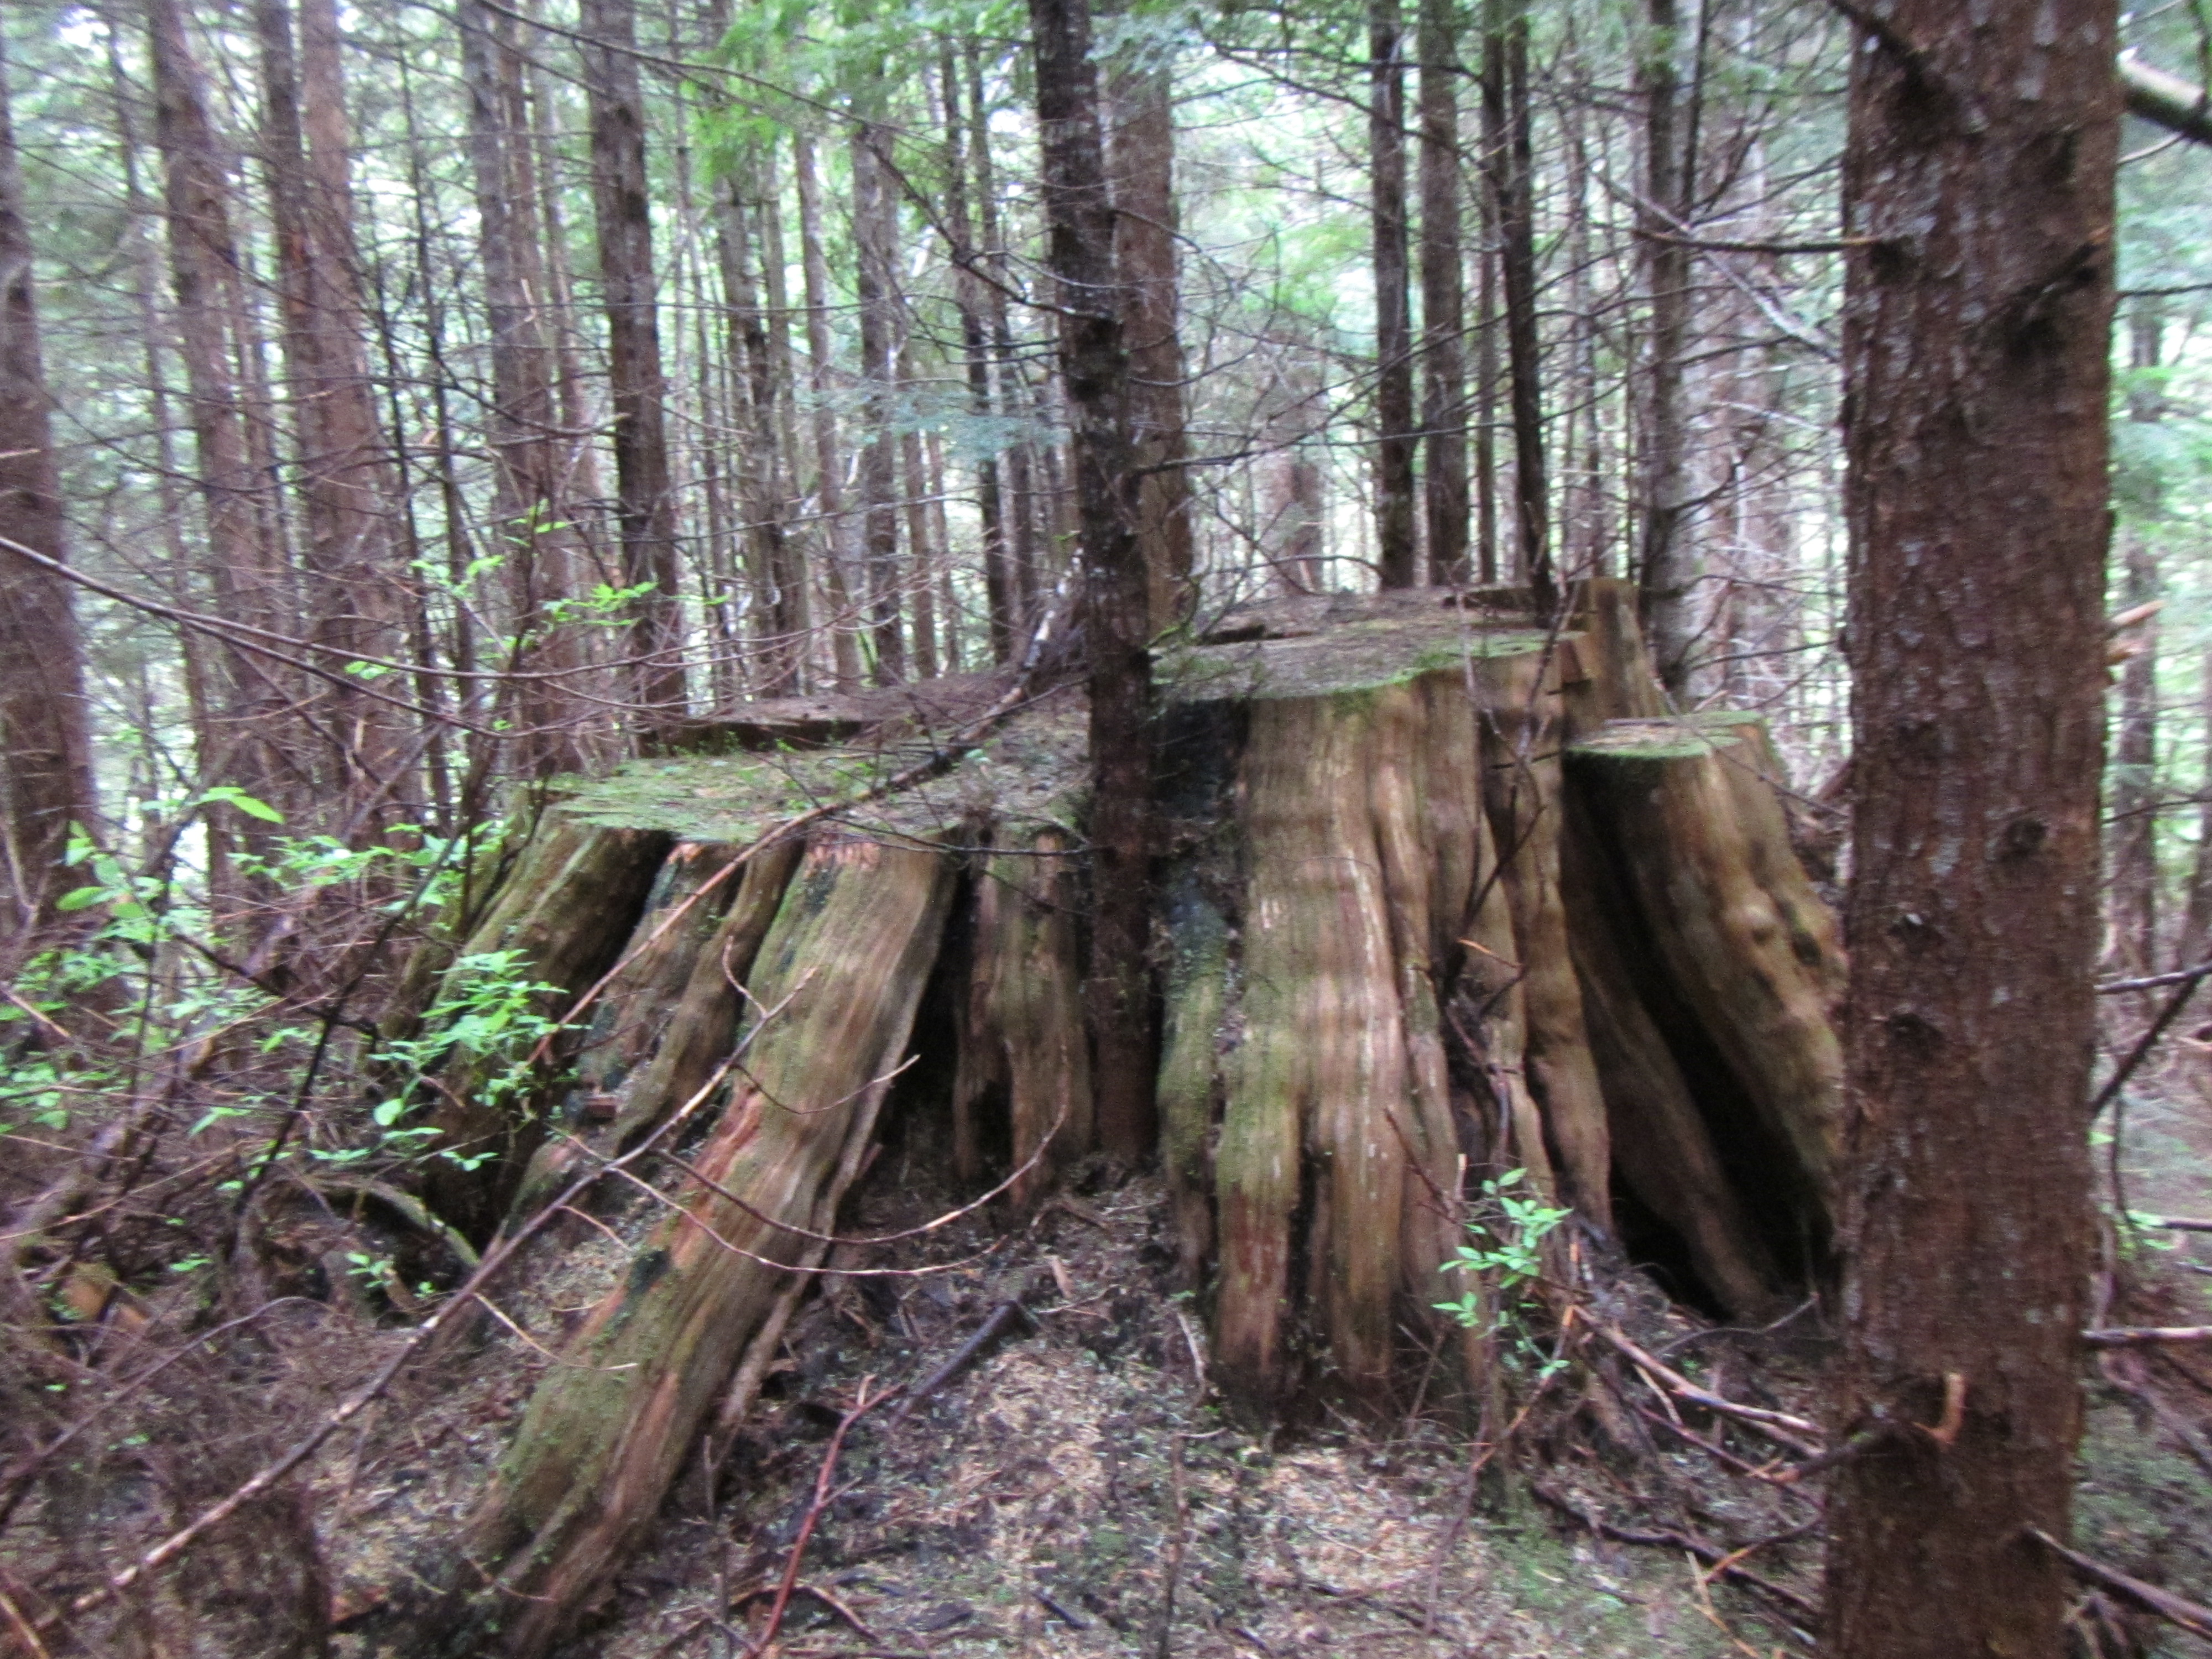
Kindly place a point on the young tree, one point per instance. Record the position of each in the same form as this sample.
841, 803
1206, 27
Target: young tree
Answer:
1980, 177
46, 785
622, 202
1443, 295
1094, 362
1395, 441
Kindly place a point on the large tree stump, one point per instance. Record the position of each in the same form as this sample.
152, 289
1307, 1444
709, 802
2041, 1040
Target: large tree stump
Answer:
1444, 894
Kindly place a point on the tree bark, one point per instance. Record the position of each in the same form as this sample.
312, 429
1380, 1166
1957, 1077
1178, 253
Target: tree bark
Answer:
1140, 156
875, 239
829, 459
1395, 441
46, 786
529, 499
244, 571
622, 204
971, 289
346, 491
1980, 168
1443, 297
1665, 564
1508, 154
1093, 364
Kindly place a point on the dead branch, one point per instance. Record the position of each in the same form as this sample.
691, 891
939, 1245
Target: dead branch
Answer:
1003, 1318
1724, 1563
860, 1407
2165, 1604
2138, 1336
1781, 1427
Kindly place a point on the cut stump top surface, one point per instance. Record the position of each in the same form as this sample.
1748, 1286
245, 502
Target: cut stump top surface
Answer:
758, 763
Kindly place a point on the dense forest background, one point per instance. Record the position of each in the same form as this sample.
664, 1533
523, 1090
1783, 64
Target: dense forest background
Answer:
450, 403
409, 452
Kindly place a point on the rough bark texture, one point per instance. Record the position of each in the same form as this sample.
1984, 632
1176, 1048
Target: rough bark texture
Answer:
1116, 596
1395, 443
1023, 1053
1443, 296
1141, 157
1665, 563
1980, 168
875, 239
47, 786
1508, 157
622, 204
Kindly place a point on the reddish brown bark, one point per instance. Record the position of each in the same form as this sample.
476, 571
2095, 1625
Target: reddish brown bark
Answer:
1980, 169
1142, 154
1395, 439
623, 207
46, 786
1094, 367
1443, 297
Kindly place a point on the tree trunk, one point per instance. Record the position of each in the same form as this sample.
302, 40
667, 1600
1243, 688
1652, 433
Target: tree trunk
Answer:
46, 786
972, 291
623, 204
528, 510
1508, 154
1396, 443
2134, 872
1141, 156
245, 572
1443, 297
1666, 567
875, 239
829, 487
346, 491
1980, 166
1093, 364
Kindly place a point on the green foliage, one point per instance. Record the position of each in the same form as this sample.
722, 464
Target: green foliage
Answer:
1500, 1270
488, 1009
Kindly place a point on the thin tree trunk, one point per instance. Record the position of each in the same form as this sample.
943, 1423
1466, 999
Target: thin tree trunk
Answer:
1508, 153
1024, 555
875, 236
1141, 158
1486, 377
528, 513
921, 554
1095, 366
46, 786
1396, 443
1980, 165
972, 292
829, 492
623, 205
245, 572
346, 491
2134, 875
1443, 297
1665, 568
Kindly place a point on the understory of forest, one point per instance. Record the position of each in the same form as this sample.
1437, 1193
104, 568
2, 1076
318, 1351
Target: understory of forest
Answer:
766, 1284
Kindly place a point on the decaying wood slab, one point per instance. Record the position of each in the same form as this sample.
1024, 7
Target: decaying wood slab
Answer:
834, 992
566, 911
1678, 808
1022, 1045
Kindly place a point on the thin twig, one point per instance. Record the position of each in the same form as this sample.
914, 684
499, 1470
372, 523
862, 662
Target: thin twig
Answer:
2138, 1336
1003, 1318
866, 1403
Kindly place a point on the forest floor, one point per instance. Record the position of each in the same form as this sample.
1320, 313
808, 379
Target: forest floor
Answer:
1049, 1498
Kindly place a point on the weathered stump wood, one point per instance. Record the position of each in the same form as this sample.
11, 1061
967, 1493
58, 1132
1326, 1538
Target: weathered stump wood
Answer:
833, 995
566, 911
1444, 893
1023, 1046
1678, 808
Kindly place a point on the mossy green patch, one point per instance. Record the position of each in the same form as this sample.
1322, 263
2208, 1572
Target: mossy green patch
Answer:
1675, 737
1350, 657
